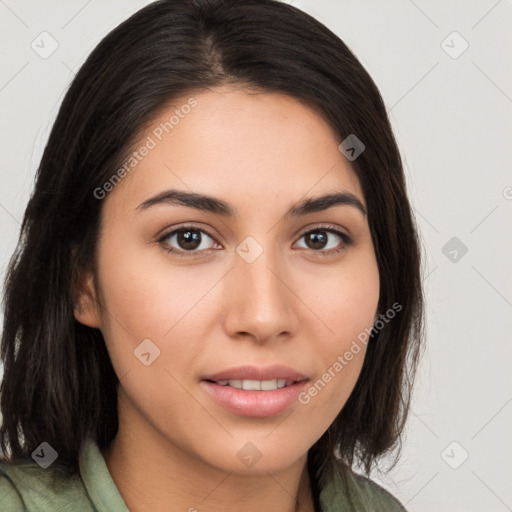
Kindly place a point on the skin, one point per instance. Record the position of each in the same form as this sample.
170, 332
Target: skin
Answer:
176, 449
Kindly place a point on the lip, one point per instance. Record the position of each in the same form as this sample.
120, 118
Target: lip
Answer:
250, 403
254, 404
247, 372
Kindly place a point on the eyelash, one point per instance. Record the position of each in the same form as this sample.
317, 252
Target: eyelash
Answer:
347, 241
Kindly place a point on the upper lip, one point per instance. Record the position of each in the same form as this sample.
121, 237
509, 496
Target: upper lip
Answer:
248, 372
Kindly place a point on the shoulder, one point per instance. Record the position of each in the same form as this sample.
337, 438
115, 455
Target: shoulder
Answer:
346, 490
10, 499
27, 487
371, 493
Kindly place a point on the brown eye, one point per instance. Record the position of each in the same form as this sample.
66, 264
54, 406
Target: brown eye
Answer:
316, 239
187, 240
325, 240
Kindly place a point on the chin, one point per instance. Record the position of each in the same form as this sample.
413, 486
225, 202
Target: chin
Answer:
258, 457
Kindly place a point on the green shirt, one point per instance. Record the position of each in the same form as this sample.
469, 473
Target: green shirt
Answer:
28, 487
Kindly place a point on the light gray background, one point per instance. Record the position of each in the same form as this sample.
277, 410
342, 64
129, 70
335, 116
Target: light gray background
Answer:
452, 118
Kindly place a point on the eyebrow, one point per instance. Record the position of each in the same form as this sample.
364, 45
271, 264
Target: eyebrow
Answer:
219, 207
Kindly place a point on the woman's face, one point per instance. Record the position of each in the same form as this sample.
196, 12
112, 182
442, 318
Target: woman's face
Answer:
253, 280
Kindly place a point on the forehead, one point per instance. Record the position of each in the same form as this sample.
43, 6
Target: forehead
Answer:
236, 144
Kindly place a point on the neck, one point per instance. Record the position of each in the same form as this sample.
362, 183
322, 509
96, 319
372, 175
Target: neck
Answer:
153, 474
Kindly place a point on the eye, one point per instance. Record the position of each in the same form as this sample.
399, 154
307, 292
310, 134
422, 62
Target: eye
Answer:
187, 239
192, 241
325, 239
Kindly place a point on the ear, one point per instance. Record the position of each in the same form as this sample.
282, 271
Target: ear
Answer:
86, 306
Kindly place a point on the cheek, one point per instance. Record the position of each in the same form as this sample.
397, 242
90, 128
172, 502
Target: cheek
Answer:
344, 299
156, 302
346, 304
153, 326
150, 296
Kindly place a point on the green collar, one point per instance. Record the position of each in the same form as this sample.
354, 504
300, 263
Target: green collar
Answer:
98, 481
338, 490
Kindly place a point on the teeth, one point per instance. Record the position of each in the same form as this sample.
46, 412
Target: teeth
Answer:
266, 385
251, 385
256, 385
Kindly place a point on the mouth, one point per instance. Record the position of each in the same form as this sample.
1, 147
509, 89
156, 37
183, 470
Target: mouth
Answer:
276, 376
255, 385
255, 392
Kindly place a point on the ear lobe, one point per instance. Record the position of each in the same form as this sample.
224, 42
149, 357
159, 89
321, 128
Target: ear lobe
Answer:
85, 306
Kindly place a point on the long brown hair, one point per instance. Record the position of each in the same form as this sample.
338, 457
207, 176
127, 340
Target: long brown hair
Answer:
59, 385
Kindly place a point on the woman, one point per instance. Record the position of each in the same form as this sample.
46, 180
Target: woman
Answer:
216, 300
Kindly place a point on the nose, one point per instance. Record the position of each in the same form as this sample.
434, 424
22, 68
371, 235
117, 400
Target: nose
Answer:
261, 304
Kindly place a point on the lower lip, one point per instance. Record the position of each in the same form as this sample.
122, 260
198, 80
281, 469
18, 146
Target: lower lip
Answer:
254, 404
